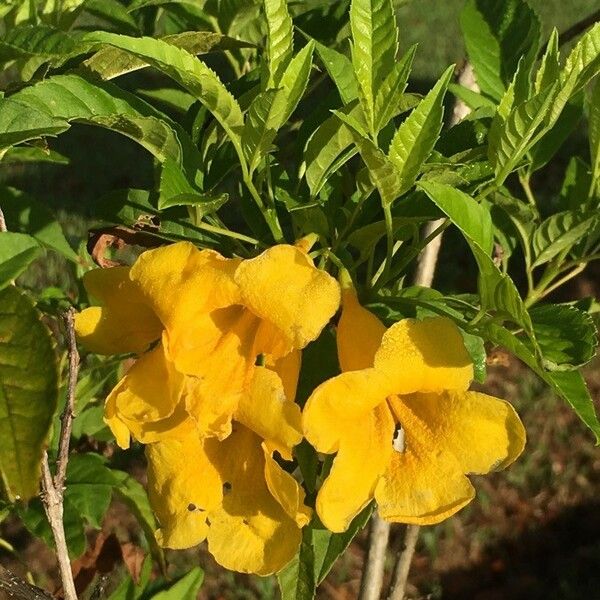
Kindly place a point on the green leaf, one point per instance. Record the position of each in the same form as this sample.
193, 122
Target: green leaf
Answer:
129, 589
340, 70
560, 232
510, 139
390, 92
189, 72
415, 138
24, 154
594, 136
271, 109
17, 252
375, 43
549, 70
26, 214
187, 587
110, 62
569, 385
176, 190
89, 487
496, 289
280, 39
497, 35
28, 396
473, 219
297, 579
328, 546
567, 336
382, 171
75, 98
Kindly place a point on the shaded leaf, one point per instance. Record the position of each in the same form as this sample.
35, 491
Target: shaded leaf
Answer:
187, 587
17, 252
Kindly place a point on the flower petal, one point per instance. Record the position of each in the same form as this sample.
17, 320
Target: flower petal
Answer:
484, 433
425, 356
179, 281
250, 532
283, 287
149, 393
359, 334
286, 490
336, 405
424, 484
183, 486
364, 455
124, 323
264, 409
288, 369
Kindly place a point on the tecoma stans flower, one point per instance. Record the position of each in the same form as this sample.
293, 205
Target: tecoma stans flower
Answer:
213, 315
404, 426
231, 493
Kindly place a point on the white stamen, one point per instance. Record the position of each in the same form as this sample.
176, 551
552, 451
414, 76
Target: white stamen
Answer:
398, 442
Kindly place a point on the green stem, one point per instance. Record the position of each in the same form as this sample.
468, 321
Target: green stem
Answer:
524, 180
268, 213
542, 291
389, 234
228, 233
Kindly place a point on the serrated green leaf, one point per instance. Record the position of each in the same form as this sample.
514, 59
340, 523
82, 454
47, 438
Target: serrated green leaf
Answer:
89, 487
496, 289
560, 232
17, 252
188, 71
471, 98
25, 214
176, 190
389, 94
187, 587
567, 336
297, 579
511, 138
375, 43
72, 97
382, 172
549, 70
340, 70
497, 35
569, 385
415, 138
594, 136
271, 109
28, 395
110, 62
280, 39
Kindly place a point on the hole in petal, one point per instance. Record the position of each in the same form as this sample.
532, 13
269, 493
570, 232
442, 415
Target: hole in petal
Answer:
260, 360
226, 487
398, 442
245, 521
191, 507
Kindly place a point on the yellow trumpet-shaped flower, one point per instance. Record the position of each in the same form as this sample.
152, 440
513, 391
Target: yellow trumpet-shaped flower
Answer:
230, 492
404, 426
214, 317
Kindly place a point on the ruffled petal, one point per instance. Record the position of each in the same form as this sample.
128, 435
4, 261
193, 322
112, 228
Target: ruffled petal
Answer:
282, 286
288, 369
264, 409
148, 394
286, 490
183, 487
484, 433
180, 282
359, 334
425, 356
124, 323
424, 483
250, 532
337, 405
363, 457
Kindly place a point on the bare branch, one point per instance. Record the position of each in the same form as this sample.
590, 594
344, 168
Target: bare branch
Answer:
68, 414
402, 569
53, 487
2, 222
372, 578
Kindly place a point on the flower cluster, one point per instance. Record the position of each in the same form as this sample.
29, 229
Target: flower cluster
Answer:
211, 395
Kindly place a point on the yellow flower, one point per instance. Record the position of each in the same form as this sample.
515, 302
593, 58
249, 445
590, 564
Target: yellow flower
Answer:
403, 425
214, 317
230, 492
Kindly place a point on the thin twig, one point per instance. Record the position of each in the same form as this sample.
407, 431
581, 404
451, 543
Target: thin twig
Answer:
53, 487
372, 578
402, 568
2, 222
